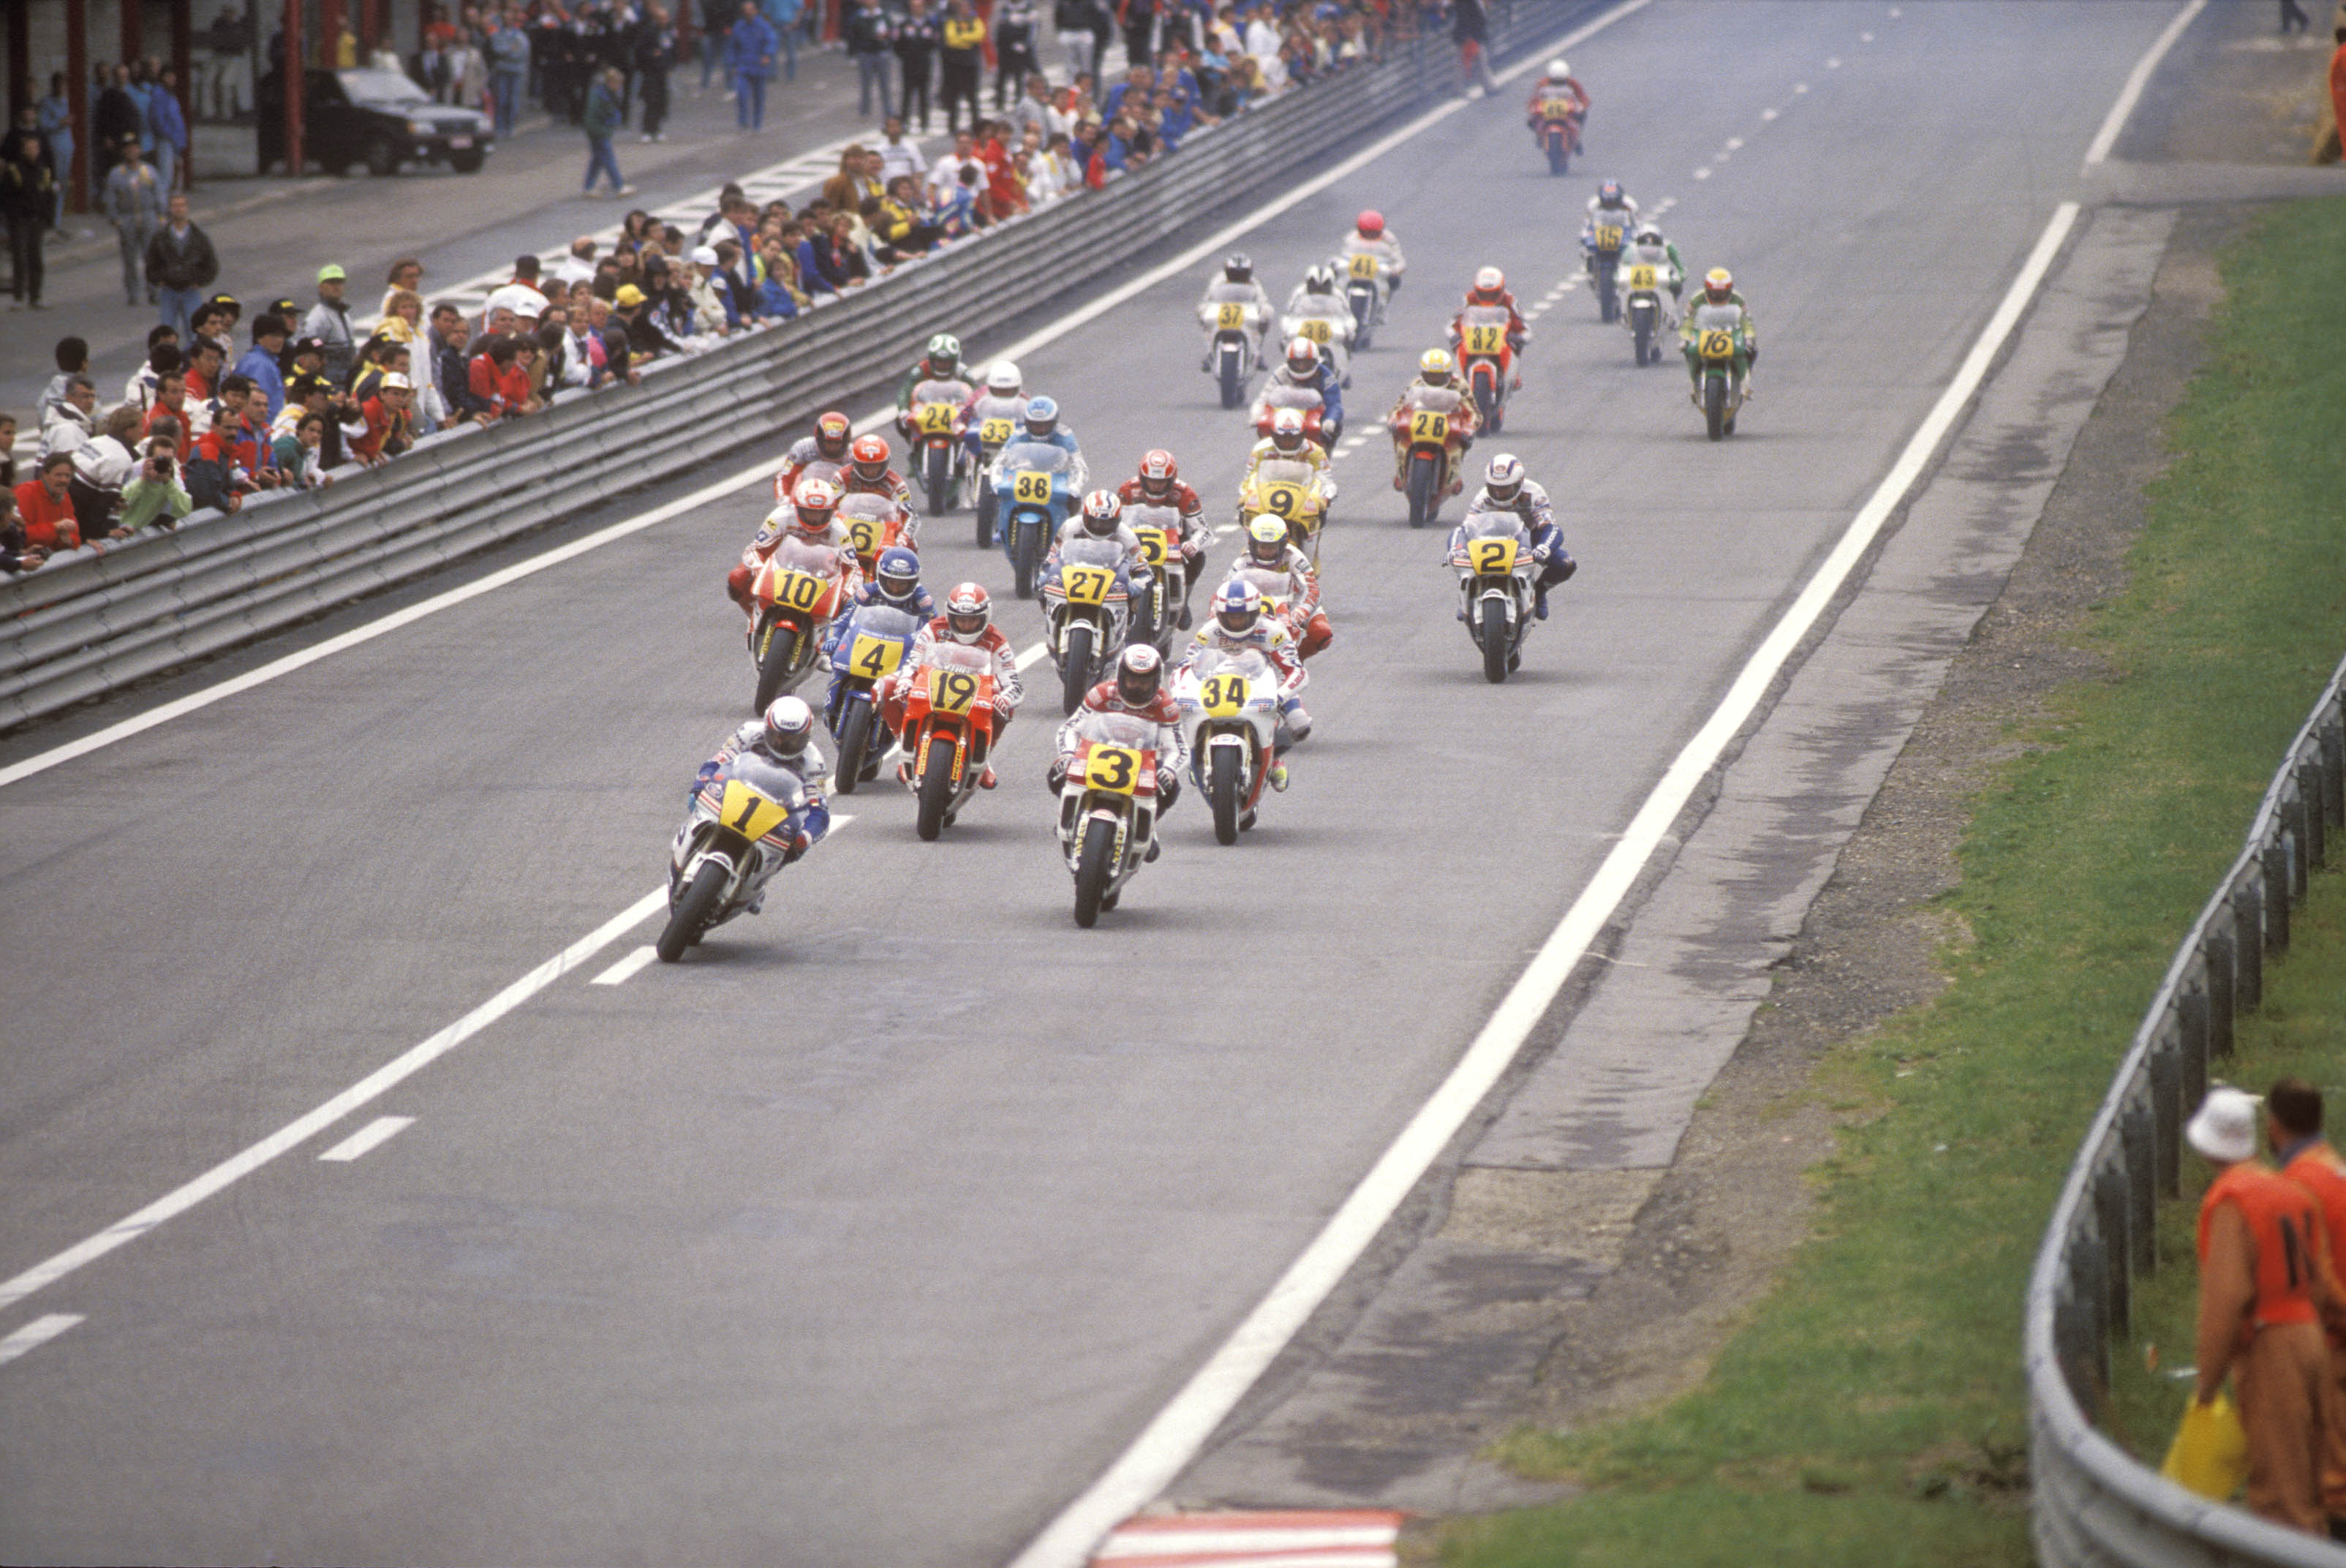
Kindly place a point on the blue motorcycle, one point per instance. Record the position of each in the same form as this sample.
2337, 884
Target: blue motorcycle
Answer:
1036, 486
872, 646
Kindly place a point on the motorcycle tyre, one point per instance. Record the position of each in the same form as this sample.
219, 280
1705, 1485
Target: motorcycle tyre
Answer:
1609, 304
1030, 551
1496, 643
1076, 665
1645, 339
940, 482
1222, 792
693, 912
985, 517
1233, 379
1713, 405
773, 674
853, 746
936, 788
1094, 871
1421, 490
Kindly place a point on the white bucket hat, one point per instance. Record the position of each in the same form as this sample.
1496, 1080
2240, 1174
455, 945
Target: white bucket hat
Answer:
2225, 1128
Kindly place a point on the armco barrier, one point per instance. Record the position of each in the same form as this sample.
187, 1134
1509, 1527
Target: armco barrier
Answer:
94, 624
2096, 1505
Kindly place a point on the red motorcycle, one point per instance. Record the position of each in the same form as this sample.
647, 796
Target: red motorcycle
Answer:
1486, 358
1555, 126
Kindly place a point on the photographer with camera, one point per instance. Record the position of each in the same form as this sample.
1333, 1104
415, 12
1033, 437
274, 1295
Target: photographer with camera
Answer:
156, 492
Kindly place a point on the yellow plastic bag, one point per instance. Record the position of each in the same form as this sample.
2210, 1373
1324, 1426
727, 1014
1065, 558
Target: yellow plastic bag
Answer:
2211, 1451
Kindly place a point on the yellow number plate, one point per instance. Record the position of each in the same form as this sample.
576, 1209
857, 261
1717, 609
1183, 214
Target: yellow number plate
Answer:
799, 590
1365, 266
1643, 275
1558, 108
936, 418
952, 690
1316, 329
1607, 238
1114, 769
875, 657
993, 432
1428, 424
1281, 500
1224, 695
1085, 585
865, 532
1492, 557
748, 813
1152, 548
1717, 343
1230, 317
1031, 486
1485, 339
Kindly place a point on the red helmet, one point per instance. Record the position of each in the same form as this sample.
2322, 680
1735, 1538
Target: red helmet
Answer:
830, 433
968, 612
1490, 288
871, 454
1371, 223
816, 500
1157, 473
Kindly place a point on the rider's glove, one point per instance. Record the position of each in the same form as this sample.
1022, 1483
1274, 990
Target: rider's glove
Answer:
1055, 775
1003, 708
1169, 785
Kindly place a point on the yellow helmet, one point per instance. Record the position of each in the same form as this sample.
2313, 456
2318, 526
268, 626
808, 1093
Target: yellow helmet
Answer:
1434, 363
1719, 282
1271, 534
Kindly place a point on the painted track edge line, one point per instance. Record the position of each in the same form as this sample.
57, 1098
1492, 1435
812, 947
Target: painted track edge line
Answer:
1174, 1436
2113, 123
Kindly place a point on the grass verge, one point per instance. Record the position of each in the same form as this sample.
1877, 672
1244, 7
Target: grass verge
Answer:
1872, 1412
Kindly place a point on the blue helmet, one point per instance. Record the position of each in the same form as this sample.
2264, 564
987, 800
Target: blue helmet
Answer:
1610, 193
897, 573
1042, 415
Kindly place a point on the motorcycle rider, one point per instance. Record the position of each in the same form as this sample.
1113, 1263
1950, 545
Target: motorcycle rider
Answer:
1137, 688
1236, 285
1270, 548
1560, 83
1437, 387
1612, 206
812, 515
1285, 444
1239, 625
1506, 487
1002, 398
1316, 296
829, 441
1158, 483
785, 736
1102, 517
968, 619
896, 583
1304, 368
1718, 292
940, 362
868, 474
1490, 289
1370, 237
1647, 247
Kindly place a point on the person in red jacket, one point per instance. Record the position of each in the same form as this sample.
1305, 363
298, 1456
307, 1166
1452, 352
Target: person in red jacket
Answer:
2293, 1124
1160, 484
45, 506
390, 421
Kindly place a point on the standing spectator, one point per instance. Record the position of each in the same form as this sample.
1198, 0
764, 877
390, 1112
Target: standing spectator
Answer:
153, 490
468, 72
602, 120
962, 55
716, 18
54, 115
867, 33
509, 54
171, 125
102, 468
390, 421
446, 365
2265, 1284
259, 364
2293, 1124
70, 422
1074, 20
749, 57
789, 19
1014, 50
899, 157
27, 195
116, 120
180, 264
405, 277
2293, 18
133, 203
434, 66
1139, 22
1471, 33
655, 57
328, 322
916, 58
579, 266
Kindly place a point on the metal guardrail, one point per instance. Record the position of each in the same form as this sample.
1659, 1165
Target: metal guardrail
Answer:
162, 599
2096, 1505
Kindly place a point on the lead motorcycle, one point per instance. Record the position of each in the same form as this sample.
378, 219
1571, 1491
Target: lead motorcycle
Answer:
1230, 709
1492, 557
1107, 806
737, 835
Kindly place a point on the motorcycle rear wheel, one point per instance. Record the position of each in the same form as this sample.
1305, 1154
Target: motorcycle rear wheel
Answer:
936, 788
1233, 377
1076, 667
1609, 304
852, 744
985, 513
1645, 343
1222, 792
1094, 868
693, 912
1559, 155
1496, 642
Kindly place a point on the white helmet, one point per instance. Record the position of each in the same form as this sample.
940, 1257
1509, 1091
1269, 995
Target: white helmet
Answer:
1505, 477
789, 724
1002, 379
1558, 71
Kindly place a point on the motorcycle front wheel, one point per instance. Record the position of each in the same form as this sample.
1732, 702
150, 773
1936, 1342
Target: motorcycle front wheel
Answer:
1076, 667
985, 514
936, 787
853, 743
1030, 550
1496, 642
1233, 379
774, 671
1222, 791
1644, 341
1713, 405
940, 482
1421, 490
1094, 868
694, 910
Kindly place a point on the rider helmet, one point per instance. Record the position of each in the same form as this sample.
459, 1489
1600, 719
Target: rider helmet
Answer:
1504, 478
1287, 429
832, 433
1157, 473
1238, 266
1320, 281
968, 612
1267, 539
1371, 223
1558, 71
898, 575
1717, 284
1139, 671
1434, 367
1302, 358
1002, 381
815, 500
1042, 417
1610, 194
871, 454
789, 724
1649, 233
1490, 286
944, 355
1103, 513
1238, 604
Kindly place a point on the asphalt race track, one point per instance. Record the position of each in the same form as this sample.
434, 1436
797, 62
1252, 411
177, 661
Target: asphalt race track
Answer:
874, 1231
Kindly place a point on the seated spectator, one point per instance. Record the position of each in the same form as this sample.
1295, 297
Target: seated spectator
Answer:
259, 363
205, 362
73, 420
448, 366
900, 225
389, 420
140, 387
709, 316
103, 466
898, 154
44, 509
316, 394
780, 292
645, 338
216, 476
170, 404
611, 333
374, 362
154, 495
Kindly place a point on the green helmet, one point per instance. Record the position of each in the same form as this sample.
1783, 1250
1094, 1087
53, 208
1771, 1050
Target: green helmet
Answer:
944, 349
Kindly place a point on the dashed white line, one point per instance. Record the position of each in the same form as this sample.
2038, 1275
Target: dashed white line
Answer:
382, 1130
1767, 114
1735, 143
1799, 86
1664, 205
1865, 37
36, 1333
618, 972
1833, 64
1702, 174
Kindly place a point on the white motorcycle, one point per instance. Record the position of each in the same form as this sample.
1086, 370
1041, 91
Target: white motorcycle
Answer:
1236, 349
1366, 287
1493, 561
1087, 612
1229, 710
1108, 808
738, 835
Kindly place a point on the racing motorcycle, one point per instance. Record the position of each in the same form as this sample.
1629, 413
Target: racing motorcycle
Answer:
1558, 131
1427, 445
1107, 806
822, 468
1641, 311
1231, 360
795, 593
1283, 488
1156, 611
1035, 484
985, 444
877, 639
1605, 242
1718, 336
1487, 360
874, 522
1085, 611
1230, 709
1305, 400
948, 729
937, 429
1330, 333
736, 835
1494, 560
1364, 295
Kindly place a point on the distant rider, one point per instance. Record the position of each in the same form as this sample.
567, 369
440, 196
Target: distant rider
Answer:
784, 737
968, 620
1270, 548
1718, 306
1506, 488
1560, 83
829, 443
1236, 285
1370, 237
868, 474
812, 516
1002, 398
1612, 208
1490, 291
1437, 387
1648, 248
940, 362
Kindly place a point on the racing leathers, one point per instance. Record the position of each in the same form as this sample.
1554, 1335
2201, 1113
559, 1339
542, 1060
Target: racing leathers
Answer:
1532, 505
891, 485
1184, 500
1273, 639
768, 538
1307, 619
1172, 746
1133, 573
1730, 315
922, 372
986, 408
1323, 380
806, 450
813, 772
1008, 691
1547, 88
922, 603
1390, 263
1621, 215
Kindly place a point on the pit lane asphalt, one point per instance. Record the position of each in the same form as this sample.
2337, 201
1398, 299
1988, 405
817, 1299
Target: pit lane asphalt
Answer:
871, 1233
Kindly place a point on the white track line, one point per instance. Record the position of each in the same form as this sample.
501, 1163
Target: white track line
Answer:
618, 972
43, 761
2137, 80
1172, 1438
1033, 655
379, 1131
36, 1333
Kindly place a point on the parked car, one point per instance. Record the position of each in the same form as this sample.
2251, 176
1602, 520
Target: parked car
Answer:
378, 118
